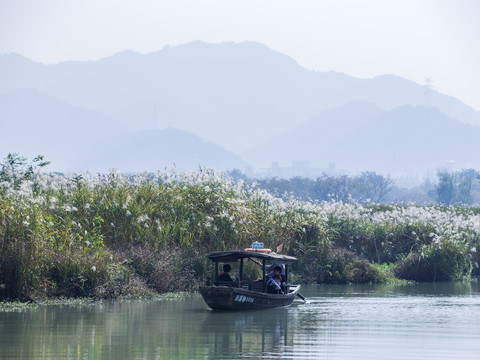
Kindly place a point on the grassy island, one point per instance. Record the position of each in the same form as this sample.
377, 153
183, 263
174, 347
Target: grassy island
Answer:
113, 235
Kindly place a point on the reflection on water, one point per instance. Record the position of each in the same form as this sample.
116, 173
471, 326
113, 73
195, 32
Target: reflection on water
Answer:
245, 334
428, 321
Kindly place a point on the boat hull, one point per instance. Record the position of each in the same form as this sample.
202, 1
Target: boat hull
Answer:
234, 298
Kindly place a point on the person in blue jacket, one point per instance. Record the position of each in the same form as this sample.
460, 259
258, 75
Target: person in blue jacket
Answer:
275, 269
273, 284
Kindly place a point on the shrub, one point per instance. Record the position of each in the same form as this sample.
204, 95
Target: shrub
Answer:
442, 260
342, 267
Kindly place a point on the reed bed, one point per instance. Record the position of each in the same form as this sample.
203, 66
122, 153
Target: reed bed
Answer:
111, 235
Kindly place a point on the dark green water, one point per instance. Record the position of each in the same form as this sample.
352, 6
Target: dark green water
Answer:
421, 321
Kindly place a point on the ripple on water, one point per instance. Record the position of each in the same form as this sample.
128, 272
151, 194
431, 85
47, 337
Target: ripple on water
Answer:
337, 322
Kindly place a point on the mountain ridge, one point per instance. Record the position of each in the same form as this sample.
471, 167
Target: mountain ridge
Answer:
226, 88
238, 96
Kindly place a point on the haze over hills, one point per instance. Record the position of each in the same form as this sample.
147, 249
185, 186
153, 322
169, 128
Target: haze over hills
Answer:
76, 139
32, 123
401, 141
412, 139
153, 150
243, 97
311, 140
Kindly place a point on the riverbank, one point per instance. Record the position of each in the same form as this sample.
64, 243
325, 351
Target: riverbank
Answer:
119, 235
17, 306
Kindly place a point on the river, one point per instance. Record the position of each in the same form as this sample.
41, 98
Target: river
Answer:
413, 321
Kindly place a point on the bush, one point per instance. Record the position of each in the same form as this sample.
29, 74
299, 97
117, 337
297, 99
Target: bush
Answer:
342, 267
442, 260
73, 274
122, 282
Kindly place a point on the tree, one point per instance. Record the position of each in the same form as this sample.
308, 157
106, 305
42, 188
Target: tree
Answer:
465, 183
445, 188
371, 187
331, 188
456, 188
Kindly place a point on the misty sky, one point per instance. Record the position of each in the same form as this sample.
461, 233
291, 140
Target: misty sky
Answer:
415, 39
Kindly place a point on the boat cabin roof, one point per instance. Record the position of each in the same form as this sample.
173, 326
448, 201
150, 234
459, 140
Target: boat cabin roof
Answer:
234, 255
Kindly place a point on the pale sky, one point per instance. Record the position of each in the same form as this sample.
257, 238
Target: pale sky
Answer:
414, 39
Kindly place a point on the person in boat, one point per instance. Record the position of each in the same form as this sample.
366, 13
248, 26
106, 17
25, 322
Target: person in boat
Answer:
225, 276
273, 284
275, 269
270, 269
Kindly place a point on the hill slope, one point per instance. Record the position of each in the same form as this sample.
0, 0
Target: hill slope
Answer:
33, 123
410, 139
361, 137
155, 150
236, 95
311, 140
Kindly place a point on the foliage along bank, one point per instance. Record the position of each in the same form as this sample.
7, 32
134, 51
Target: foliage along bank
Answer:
116, 234
461, 188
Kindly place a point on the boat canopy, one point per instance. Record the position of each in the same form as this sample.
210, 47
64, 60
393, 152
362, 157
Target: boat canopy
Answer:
234, 255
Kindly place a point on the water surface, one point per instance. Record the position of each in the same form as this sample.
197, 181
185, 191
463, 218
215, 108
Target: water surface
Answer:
417, 321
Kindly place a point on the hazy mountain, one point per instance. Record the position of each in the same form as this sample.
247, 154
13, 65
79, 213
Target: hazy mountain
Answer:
410, 139
228, 93
243, 97
158, 149
33, 123
77, 139
360, 136
234, 94
311, 140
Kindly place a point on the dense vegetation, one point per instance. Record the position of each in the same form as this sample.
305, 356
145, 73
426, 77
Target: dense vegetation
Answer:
460, 188
117, 235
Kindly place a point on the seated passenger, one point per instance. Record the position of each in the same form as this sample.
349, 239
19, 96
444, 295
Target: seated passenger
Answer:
277, 270
272, 269
224, 276
273, 284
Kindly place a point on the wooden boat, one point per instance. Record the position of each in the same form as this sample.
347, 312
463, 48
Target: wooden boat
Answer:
240, 294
